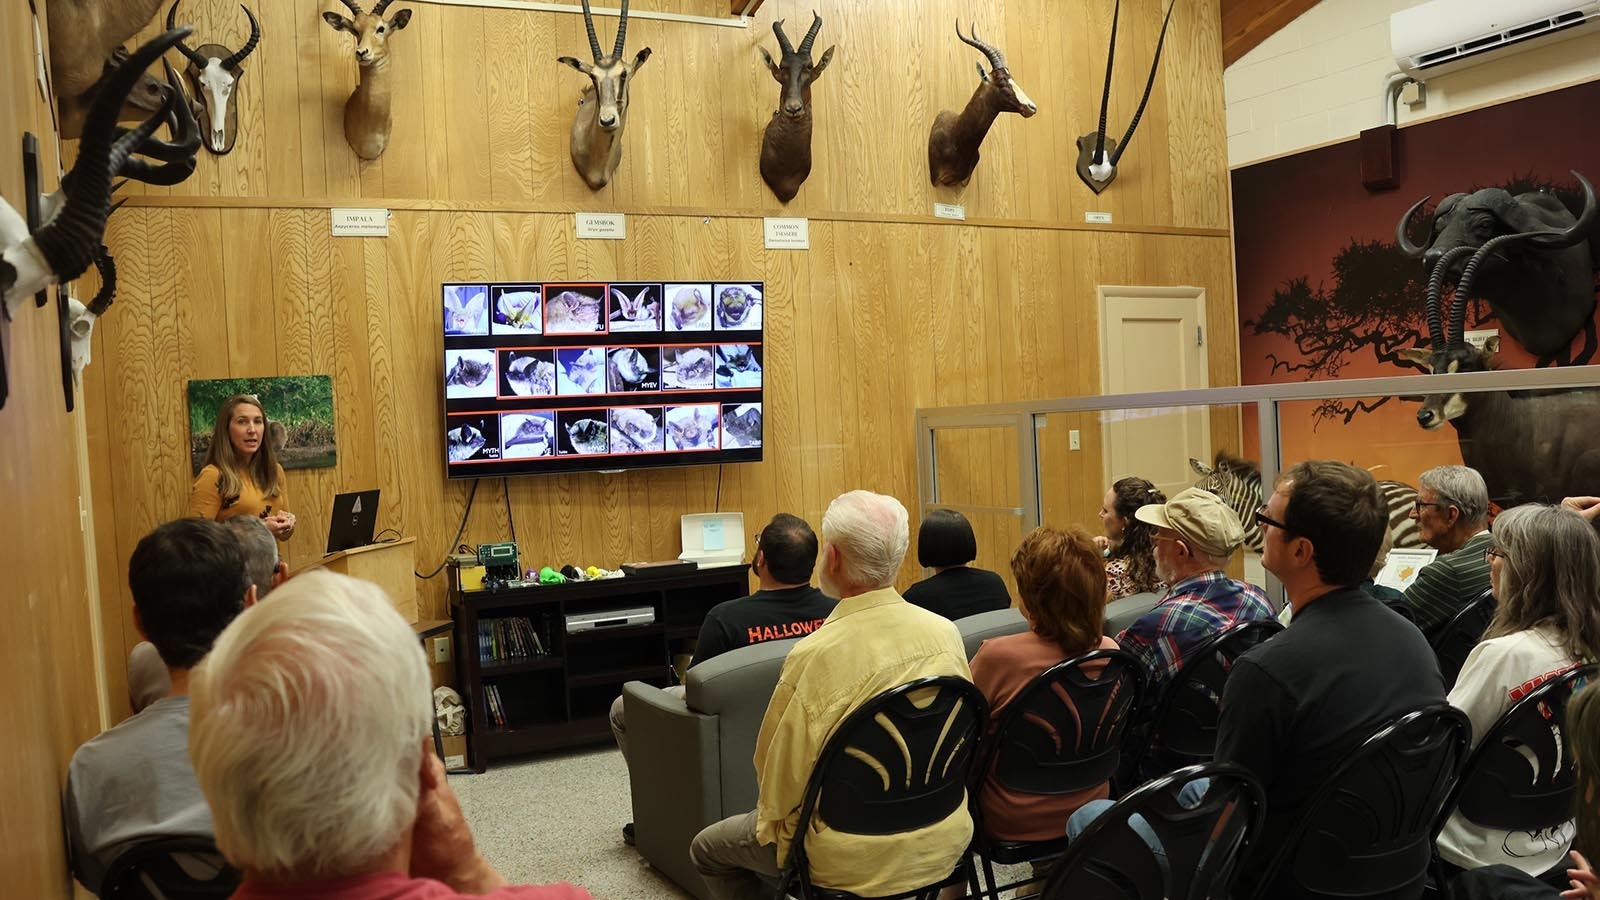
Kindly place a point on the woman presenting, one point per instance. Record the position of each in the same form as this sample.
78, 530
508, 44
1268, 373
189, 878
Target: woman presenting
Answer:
242, 476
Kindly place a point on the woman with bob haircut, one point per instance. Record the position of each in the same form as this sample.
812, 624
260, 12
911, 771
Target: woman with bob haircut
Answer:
1129, 544
955, 590
1545, 570
242, 476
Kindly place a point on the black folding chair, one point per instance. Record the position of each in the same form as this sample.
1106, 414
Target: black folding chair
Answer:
1150, 846
1520, 776
1062, 734
170, 868
1182, 729
1368, 833
897, 764
1456, 638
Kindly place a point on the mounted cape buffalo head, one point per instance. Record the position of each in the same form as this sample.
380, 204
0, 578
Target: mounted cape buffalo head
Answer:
1097, 154
216, 73
1539, 280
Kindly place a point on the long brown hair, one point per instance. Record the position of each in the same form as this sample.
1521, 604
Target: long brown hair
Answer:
1583, 736
1061, 582
1549, 575
263, 467
1137, 545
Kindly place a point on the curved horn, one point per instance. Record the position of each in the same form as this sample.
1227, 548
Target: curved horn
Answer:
1402, 231
177, 154
1148, 84
1105, 95
997, 60
355, 8
1579, 230
255, 38
588, 22
622, 31
1436, 291
783, 39
811, 36
108, 282
1458, 312
183, 48
382, 5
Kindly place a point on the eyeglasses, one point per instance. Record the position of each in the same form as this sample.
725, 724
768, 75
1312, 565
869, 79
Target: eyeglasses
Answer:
1263, 519
1421, 503
1490, 554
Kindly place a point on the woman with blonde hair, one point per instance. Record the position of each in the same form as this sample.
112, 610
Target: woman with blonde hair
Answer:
1545, 570
242, 476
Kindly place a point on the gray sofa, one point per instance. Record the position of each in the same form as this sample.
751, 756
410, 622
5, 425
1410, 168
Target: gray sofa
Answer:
693, 759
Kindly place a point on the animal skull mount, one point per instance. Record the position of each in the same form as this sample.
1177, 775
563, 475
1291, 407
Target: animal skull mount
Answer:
366, 113
215, 72
954, 140
786, 141
1098, 154
603, 110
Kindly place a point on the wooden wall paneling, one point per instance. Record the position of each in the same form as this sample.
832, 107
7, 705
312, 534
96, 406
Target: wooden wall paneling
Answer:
509, 38
347, 353
1199, 155
277, 70
247, 288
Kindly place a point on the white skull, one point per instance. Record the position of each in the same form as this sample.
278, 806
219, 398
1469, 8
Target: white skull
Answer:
216, 83
81, 326
448, 710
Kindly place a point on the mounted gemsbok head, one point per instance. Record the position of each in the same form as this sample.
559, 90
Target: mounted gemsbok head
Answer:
603, 109
1098, 154
786, 143
216, 73
366, 113
954, 140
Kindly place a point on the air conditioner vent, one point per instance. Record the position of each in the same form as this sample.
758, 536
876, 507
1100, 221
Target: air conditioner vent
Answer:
1445, 35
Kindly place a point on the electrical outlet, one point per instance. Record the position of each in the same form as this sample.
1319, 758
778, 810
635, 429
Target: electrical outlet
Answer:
1072, 440
441, 650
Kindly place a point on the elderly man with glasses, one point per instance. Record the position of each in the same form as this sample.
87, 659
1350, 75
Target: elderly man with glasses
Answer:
1452, 515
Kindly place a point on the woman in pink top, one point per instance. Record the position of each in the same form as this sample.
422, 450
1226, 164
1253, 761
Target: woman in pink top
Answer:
1061, 583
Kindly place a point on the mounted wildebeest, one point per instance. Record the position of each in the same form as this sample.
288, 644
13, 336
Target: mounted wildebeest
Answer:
1540, 285
1528, 445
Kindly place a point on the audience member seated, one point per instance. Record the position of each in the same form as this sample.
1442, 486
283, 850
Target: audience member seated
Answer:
873, 641
134, 782
1129, 544
1195, 534
1583, 727
786, 606
147, 674
311, 741
1545, 567
1296, 705
955, 590
1452, 514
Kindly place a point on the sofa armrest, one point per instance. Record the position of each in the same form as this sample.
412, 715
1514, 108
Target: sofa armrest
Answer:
994, 623
674, 776
1122, 613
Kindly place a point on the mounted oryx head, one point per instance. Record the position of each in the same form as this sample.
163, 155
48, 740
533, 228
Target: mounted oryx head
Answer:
603, 110
366, 113
1097, 154
215, 72
786, 143
954, 140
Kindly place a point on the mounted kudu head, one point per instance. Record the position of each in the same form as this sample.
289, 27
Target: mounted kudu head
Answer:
603, 111
366, 112
1098, 154
954, 141
215, 72
786, 142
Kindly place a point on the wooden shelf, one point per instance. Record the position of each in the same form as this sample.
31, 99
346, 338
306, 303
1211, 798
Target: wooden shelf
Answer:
512, 667
617, 676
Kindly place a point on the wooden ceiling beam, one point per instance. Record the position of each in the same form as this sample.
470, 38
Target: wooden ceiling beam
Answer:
1246, 23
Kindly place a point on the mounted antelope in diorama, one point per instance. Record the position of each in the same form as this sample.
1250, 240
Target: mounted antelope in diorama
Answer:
955, 138
603, 110
786, 143
215, 72
86, 38
366, 113
1097, 154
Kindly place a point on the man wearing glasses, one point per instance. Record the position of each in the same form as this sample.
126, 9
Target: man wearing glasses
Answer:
1452, 515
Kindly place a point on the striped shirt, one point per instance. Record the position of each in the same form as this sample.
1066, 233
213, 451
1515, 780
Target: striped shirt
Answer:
1449, 583
1193, 609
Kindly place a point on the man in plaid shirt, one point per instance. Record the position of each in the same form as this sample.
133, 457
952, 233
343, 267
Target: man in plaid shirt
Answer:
1196, 533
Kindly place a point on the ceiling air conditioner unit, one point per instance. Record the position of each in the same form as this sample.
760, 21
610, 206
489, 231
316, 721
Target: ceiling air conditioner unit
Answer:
1447, 35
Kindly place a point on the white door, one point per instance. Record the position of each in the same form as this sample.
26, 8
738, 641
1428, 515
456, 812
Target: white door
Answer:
1152, 339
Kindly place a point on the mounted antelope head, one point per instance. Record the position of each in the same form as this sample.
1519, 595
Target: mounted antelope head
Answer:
366, 113
1097, 154
786, 143
86, 46
603, 110
953, 143
215, 72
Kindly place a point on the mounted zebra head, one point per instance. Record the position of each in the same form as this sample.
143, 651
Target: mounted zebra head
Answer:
1098, 154
215, 71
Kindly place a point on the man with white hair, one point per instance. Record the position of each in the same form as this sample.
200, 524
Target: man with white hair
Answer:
872, 641
310, 738
1452, 515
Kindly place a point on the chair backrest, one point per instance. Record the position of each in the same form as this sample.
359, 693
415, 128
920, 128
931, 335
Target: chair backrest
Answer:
1456, 638
1186, 716
1520, 777
1368, 832
171, 868
1151, 846
1063, 732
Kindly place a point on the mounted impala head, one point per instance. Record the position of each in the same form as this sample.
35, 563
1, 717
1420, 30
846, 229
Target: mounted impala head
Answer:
215, 71
953, 143
370, 29
1097, 154
366, 113
603, 111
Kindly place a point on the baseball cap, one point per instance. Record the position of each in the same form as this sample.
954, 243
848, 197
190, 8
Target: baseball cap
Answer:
1200, 518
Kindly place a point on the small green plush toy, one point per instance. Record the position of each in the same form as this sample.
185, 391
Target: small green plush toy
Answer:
548, 575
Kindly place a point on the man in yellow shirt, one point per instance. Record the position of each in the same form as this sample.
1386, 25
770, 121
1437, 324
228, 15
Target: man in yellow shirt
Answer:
873, 641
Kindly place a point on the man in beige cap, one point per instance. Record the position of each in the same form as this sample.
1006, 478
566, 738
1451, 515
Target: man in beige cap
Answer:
1195, 535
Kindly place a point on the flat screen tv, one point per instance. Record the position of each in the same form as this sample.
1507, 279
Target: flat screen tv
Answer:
563, 377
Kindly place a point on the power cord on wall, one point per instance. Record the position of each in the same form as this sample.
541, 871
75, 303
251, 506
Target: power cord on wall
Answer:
510, 516
718, 506
456, 542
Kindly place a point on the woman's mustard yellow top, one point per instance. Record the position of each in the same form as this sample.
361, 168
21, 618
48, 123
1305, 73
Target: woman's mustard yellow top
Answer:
205, 502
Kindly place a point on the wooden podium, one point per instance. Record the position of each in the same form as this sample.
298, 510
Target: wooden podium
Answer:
391, 566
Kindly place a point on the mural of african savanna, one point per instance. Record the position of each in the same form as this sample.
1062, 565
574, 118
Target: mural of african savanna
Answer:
299, 410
